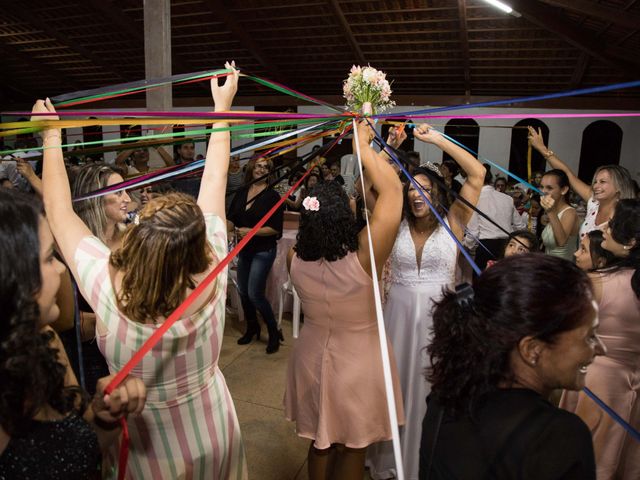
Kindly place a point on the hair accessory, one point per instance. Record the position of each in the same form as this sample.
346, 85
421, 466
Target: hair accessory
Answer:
311, 203
431, 166
136, 219
464, 295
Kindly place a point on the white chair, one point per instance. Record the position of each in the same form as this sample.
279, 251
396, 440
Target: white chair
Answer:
232, 291
288, 288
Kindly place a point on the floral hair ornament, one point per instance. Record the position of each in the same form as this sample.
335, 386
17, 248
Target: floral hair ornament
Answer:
311, 203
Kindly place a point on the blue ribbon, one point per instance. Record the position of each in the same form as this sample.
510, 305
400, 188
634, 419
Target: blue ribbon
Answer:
533, 98
433, 210
630, 430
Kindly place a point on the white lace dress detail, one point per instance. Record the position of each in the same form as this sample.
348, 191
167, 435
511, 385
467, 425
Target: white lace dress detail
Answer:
408, 322
438, 263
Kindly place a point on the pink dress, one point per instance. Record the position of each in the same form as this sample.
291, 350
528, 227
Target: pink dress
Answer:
335, 386
615, 378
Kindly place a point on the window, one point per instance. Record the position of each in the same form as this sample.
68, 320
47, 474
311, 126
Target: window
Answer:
520, 145
464, 130
601, 143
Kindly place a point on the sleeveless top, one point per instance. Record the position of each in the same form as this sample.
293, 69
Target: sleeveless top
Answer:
66, 448
552, 248
589, 223
438, 262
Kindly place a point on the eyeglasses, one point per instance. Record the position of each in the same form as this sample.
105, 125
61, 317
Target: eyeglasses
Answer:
261, 166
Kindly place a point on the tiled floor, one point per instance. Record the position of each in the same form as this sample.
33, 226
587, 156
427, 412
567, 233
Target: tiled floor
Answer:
256, 381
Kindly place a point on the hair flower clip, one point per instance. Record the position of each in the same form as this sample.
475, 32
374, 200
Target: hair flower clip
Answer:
311, 203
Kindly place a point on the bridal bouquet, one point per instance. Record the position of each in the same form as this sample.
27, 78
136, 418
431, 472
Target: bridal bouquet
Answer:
367, 90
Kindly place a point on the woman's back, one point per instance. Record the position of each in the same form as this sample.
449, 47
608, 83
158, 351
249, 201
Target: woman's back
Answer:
335, 294
187, 396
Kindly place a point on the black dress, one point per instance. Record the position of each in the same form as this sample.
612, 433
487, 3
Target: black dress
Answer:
515, 434
60, 449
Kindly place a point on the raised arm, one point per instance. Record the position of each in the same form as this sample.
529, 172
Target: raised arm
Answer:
66, 226
121, 160
25, 169
561, 227
166, 158
214, 178
387, 213
459, 214
578, 186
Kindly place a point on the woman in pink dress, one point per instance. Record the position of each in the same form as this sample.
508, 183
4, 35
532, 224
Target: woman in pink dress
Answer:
335, 388
615, 378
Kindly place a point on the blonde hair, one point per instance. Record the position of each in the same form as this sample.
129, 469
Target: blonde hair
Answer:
621, 179
89, 178
160, 255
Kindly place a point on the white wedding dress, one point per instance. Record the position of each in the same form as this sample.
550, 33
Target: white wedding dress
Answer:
408, 321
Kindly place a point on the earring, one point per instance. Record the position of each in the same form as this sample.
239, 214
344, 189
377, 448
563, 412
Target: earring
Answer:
534, 361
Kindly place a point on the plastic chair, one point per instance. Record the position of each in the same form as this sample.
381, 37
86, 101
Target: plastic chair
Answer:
288, 288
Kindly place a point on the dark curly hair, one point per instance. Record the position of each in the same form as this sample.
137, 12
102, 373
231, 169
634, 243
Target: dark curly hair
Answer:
439, 197
30, 375
472, 341
625, 228
331, 232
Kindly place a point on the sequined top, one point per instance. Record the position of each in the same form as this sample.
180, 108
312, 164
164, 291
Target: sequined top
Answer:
66, 448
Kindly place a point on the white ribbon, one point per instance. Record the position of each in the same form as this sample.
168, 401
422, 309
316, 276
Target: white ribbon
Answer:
384, 350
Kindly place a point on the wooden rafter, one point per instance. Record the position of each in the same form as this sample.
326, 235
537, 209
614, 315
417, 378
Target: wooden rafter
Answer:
547, 17
464, 41
595, 10
7, 52
348, 33
222, 12
17, 9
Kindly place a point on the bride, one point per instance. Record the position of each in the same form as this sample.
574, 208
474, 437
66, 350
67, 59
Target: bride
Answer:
423, 261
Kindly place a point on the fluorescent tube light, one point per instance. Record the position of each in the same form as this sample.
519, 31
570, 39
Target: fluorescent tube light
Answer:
502, 6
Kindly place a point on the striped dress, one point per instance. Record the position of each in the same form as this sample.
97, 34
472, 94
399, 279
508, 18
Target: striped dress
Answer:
189, 427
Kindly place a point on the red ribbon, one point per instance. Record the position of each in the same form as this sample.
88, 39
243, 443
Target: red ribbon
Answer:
178, 312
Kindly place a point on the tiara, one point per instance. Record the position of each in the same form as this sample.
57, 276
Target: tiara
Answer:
431, 166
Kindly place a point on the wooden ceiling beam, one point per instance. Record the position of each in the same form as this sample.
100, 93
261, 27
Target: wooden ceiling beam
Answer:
464, 42
114, 13
49, 29
595, 10
547, 17
348, 33
222, 11
45, 69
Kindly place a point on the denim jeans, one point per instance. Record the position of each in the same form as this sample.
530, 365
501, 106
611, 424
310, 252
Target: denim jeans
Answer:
253, 270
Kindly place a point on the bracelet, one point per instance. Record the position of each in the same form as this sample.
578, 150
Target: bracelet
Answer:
548, 154
103, 425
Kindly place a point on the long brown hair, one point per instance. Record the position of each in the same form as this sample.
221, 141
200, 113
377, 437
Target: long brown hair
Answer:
160, 255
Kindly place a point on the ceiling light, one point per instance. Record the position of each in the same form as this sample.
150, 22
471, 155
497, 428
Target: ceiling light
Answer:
502, 6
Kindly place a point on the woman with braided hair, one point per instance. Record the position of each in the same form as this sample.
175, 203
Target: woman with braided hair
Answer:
189, 428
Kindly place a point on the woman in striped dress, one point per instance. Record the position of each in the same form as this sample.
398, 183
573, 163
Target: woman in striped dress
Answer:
189, 428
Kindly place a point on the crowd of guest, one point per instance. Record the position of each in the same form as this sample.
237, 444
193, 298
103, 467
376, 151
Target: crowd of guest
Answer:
476, 361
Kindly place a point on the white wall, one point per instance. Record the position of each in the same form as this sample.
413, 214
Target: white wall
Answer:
565, 135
